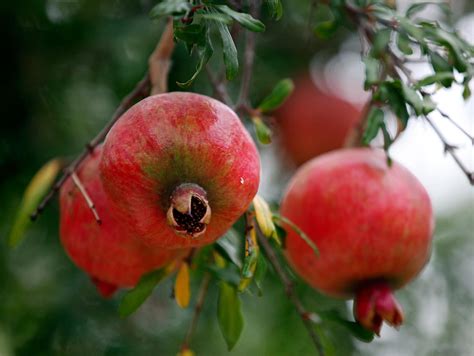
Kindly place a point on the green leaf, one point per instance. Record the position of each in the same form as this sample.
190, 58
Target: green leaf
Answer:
375, 118
34, 192
440, 77
372, 71
204, 53
246, 20
403, 44
134, 298
276, 8
416, 8
326, 29
354, 328
277, 97
231, 59
381, 41
466, 93
411, 29
428, 105
396, 100
229, 314
170, 7
298, 231
215, 16
231, 245
191, 34
412, 98
264, 134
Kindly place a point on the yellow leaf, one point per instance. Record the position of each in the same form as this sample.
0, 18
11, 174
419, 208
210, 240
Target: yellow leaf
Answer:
36, 190
186, 352
182, 290
264, 216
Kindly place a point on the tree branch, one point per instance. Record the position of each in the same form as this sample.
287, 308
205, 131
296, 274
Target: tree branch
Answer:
197, 310
86, 196
288, 284
159, 67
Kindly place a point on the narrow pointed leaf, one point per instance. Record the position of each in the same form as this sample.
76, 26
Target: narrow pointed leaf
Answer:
276, 8
374, 120
229, 50
264, 217
35, 191
246, 20
182, 289
229, 314
263, 132
134, 298
277, 97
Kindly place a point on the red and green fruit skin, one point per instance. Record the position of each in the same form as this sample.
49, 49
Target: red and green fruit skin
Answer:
175, 139
311, 122
372, 224
111, 257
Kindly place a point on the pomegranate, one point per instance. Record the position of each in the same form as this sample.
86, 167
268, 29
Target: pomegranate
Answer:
179, 169
372, 224
311, 122
111, 257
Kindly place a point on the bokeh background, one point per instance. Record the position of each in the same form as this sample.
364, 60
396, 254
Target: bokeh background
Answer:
67, 64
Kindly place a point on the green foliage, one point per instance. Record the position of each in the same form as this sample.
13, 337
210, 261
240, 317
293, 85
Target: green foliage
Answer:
134, 298
277, 97
263, 132
229, 314
36, 190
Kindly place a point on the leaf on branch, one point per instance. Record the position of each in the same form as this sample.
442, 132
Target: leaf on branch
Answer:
182, 288
229, 314
416, 8
393, 93
276, 8
246, 20
134, 298
263, 132
354, 328
295, 228
375, 118
215, 16
277, 97
252, 252
229, 50
412, 98
230, 246
381, 41
260, 272
372, 71
204, 53
34, 192
264, 217
403, 44
440, 77
170, 8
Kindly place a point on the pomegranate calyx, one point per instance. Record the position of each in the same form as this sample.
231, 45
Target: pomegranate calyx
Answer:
189, 212
374, 304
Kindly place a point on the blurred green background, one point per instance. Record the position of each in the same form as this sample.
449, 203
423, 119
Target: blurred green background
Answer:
66, 65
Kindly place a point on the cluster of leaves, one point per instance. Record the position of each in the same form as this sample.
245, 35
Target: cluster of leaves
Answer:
195, 21
394, 40
237, 264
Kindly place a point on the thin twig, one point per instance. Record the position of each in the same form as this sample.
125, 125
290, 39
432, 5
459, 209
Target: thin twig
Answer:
451, 149
459, 127
86, 196
288, 284
159, 62
141, 90
197, 310
249, 57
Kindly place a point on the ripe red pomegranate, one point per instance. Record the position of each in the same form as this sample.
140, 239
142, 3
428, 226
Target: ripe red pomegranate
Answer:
372, 224
111, 257
311, 122
180, 169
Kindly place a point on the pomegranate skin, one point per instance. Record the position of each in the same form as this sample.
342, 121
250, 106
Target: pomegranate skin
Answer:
370, 222
311, 122
111, 257
170, 147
